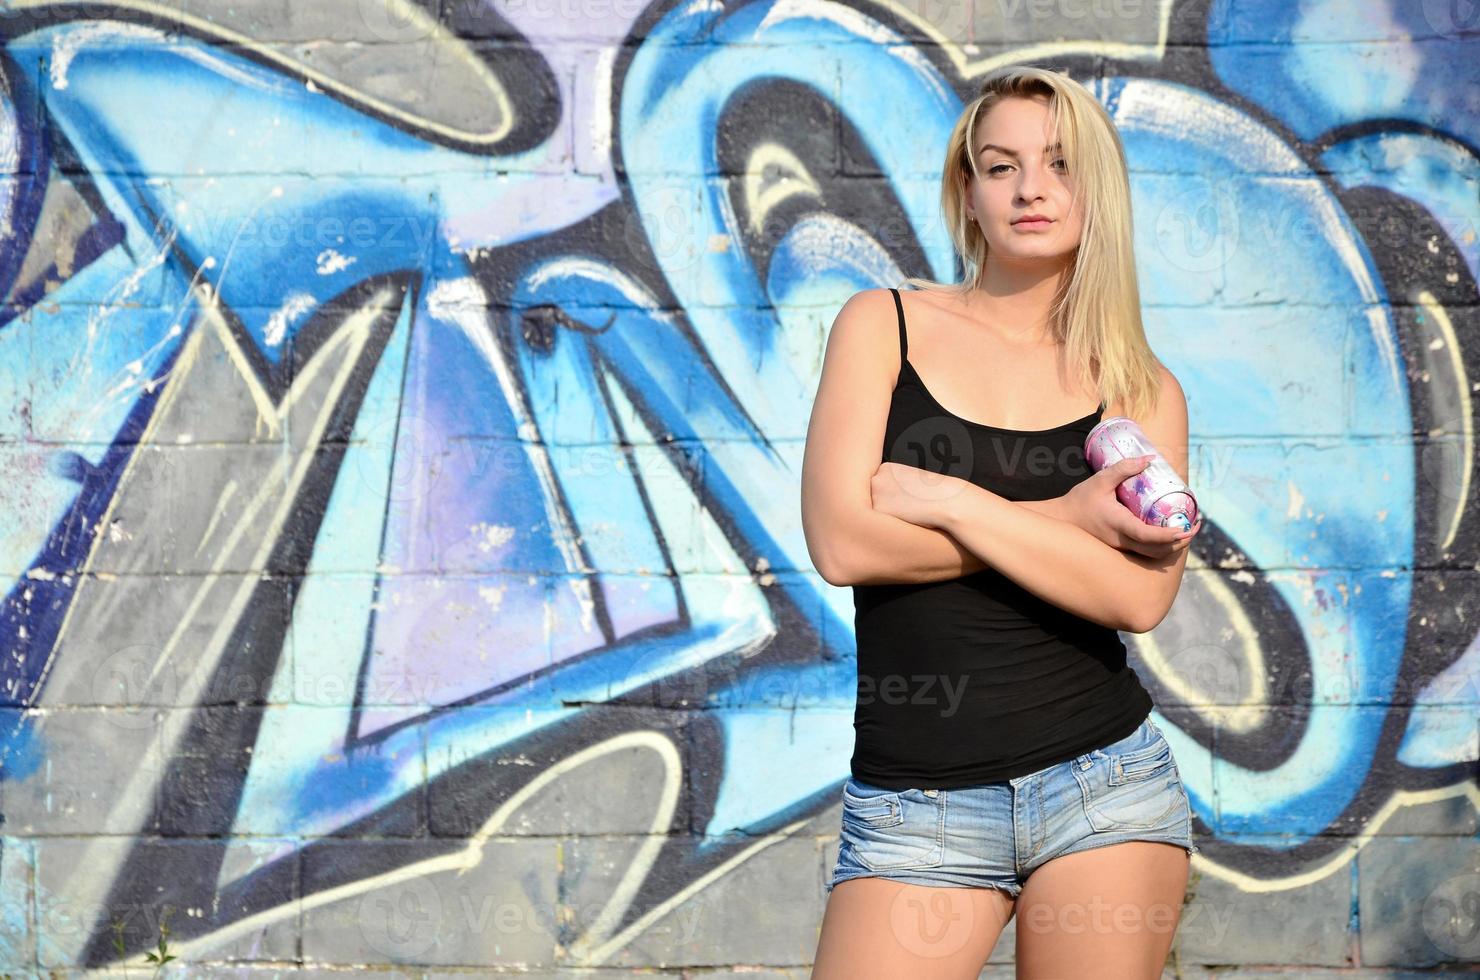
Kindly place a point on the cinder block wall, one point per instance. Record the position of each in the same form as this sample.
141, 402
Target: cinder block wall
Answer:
404, 408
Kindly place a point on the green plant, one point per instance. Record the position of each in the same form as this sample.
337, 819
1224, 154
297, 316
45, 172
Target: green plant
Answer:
158, 957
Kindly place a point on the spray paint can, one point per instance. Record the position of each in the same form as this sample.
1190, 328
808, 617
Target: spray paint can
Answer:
1157, 494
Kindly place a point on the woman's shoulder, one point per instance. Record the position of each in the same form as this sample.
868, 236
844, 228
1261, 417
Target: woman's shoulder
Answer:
1168, 397
944, 296
866, 327
865, 305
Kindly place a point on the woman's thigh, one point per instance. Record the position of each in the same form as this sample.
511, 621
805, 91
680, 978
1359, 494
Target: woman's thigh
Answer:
1109, 912
1105, 884
884, 928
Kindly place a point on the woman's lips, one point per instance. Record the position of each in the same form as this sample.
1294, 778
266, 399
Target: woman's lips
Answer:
1034, 223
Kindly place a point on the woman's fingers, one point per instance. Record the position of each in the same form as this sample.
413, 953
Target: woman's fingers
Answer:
1184, 538
1149, 533
1197, 526
1155, 541
1152, 540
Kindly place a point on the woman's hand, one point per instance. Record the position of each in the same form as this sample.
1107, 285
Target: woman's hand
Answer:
1093, 506
912, 494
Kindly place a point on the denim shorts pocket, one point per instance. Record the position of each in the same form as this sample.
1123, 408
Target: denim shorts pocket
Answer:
1135, 789
1127, 767
887, 830
872, 805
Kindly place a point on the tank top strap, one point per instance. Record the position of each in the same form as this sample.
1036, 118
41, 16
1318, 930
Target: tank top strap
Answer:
904, 344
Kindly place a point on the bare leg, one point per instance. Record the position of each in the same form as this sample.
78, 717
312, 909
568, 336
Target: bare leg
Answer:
1109, 912
884, 929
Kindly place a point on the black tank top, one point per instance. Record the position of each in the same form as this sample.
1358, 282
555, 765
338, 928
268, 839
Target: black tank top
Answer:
974, 679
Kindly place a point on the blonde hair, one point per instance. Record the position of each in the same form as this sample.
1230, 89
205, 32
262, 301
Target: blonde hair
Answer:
1096, 313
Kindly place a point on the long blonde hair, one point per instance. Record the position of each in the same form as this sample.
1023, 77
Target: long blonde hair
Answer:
1096, 313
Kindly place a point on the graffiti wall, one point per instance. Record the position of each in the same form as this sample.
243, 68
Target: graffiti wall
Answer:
403, 418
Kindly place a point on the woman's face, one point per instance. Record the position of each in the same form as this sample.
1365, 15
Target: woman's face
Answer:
1019, 177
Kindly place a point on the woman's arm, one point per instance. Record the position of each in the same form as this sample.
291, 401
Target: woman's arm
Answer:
878, 563
1064, 564
1060, 562
848, 541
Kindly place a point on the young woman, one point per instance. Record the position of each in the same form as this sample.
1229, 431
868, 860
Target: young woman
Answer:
1005, 761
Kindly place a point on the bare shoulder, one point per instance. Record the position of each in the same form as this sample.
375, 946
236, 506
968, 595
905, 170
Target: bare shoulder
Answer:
846, 429
1166, 424
866, 328
1171, 400
937, 299
1170, 394
865, 304
1172, 404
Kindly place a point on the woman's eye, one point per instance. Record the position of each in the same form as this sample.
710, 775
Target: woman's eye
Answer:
1061, 163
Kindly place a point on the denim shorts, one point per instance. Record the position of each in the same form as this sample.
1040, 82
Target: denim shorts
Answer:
994, 835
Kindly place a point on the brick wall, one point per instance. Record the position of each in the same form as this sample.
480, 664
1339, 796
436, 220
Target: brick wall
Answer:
401, 465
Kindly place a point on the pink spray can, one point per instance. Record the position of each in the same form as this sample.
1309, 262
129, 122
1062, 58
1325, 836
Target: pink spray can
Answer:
1157, 494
